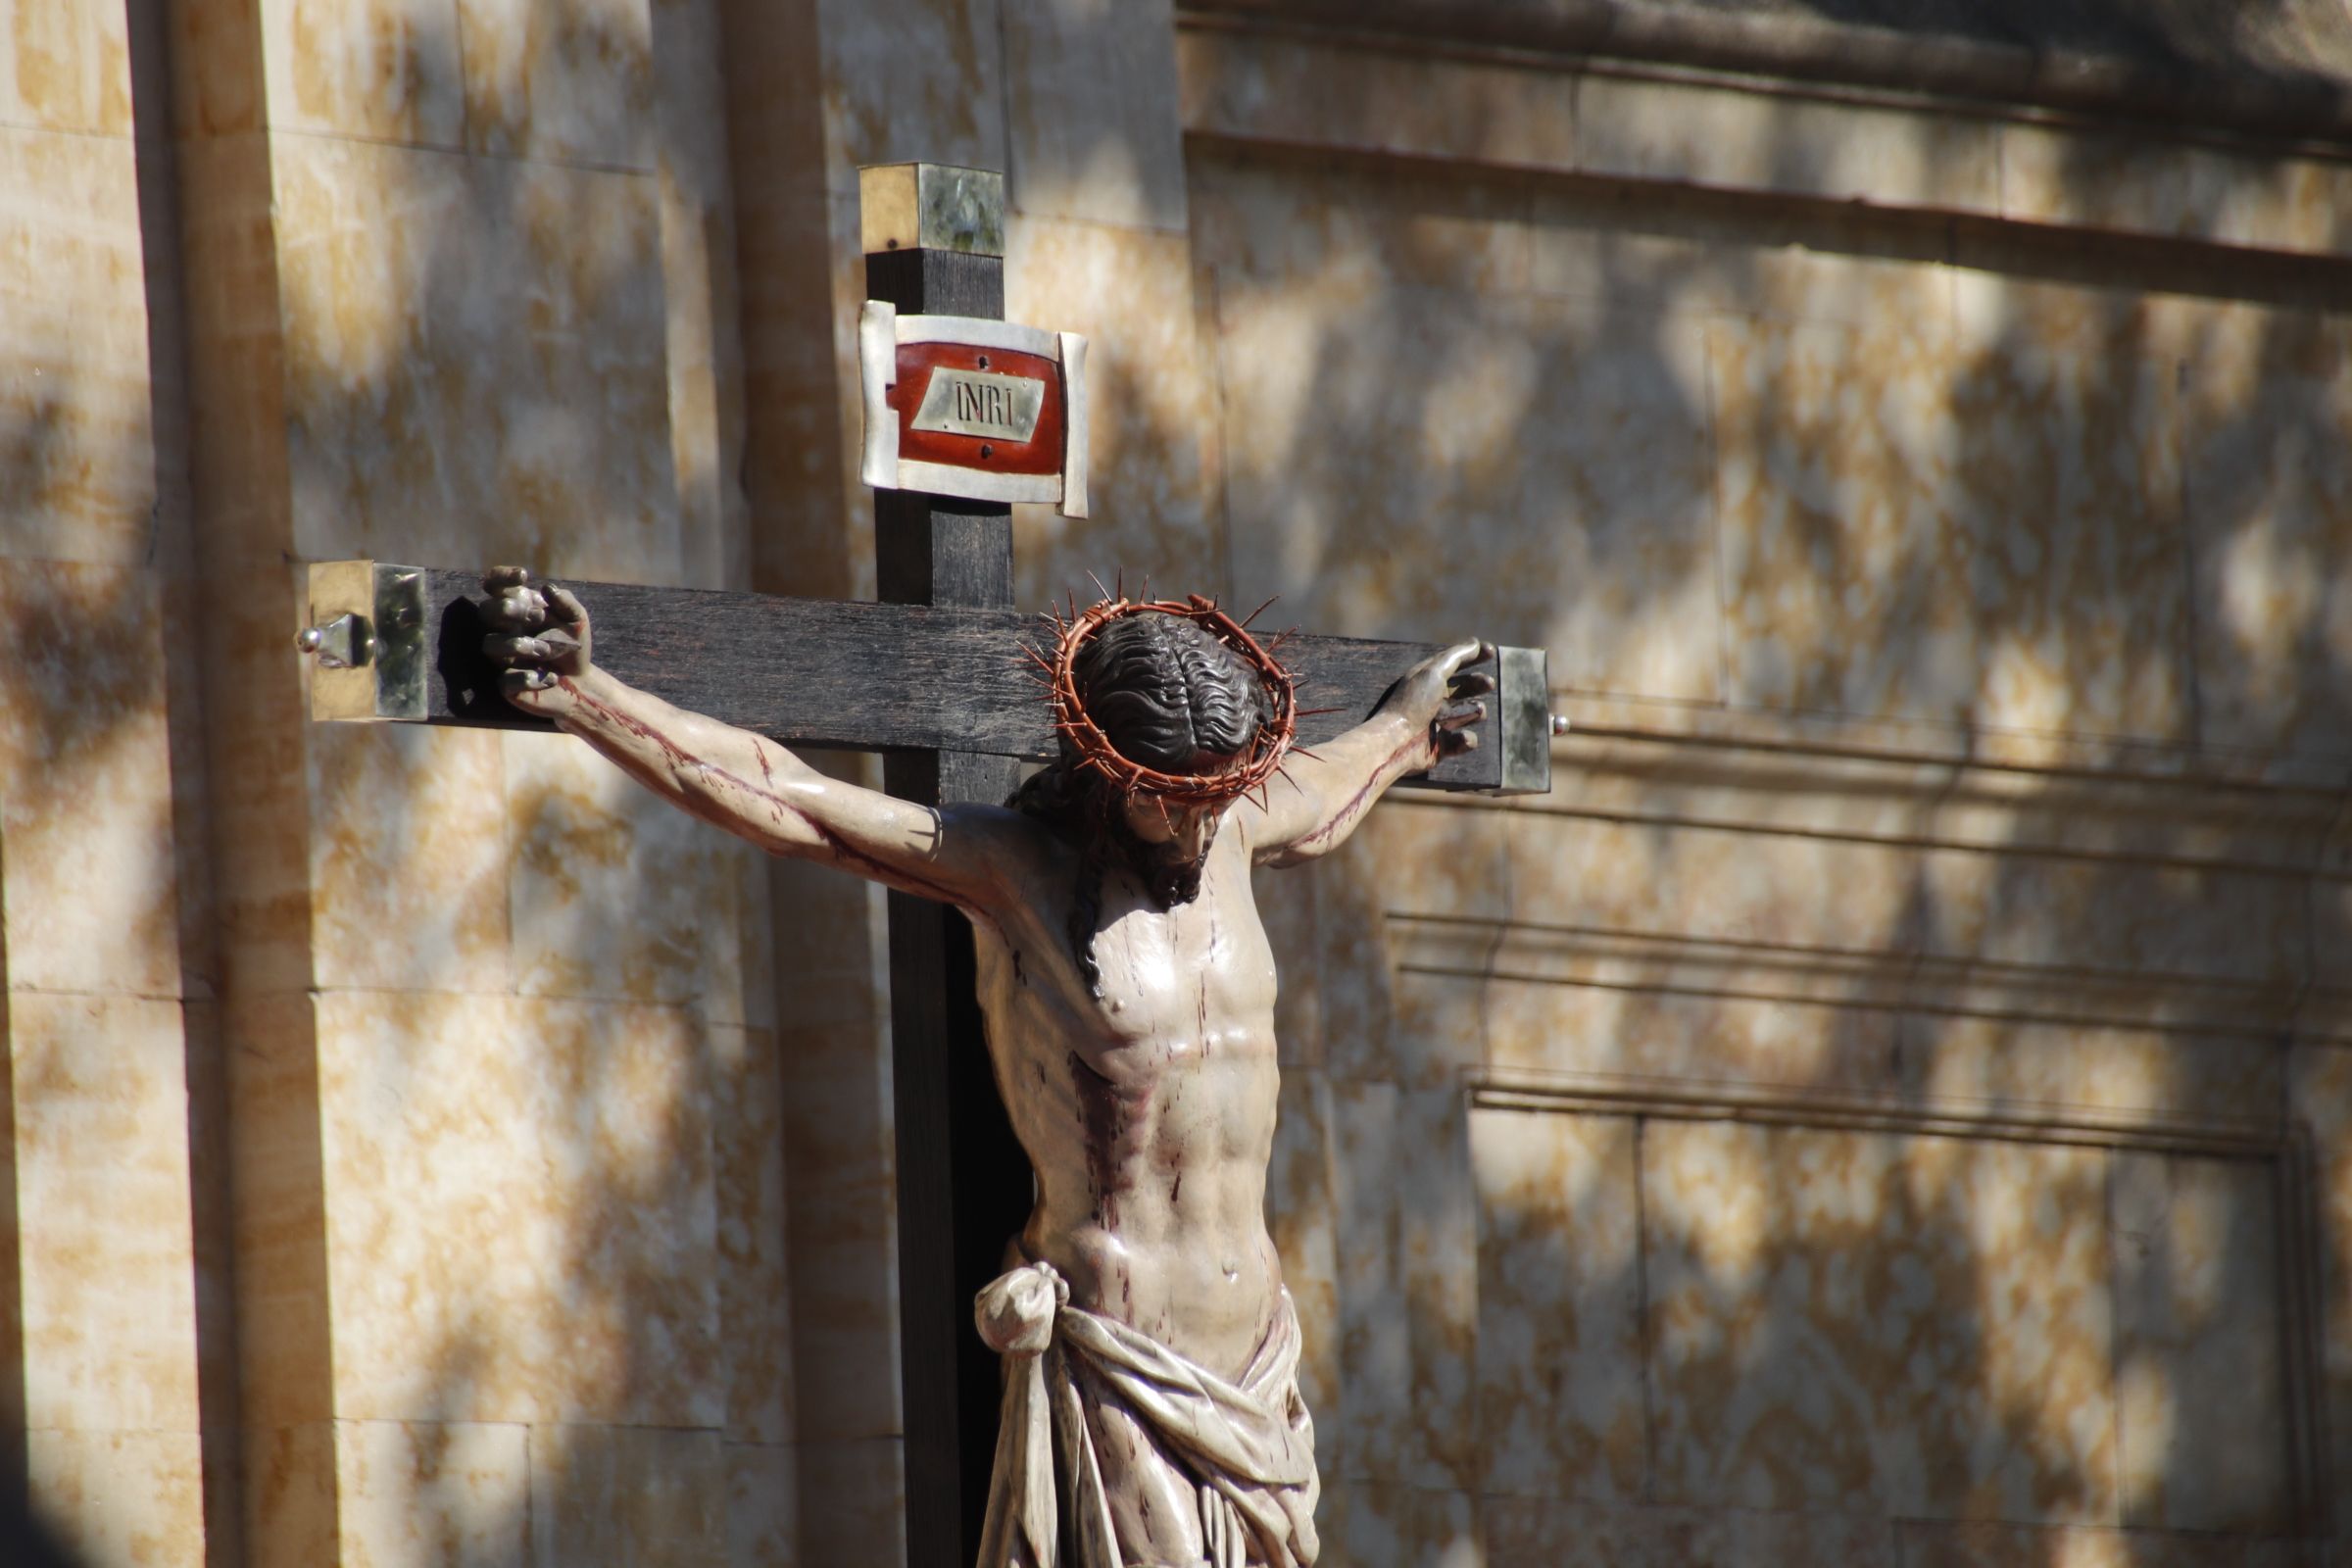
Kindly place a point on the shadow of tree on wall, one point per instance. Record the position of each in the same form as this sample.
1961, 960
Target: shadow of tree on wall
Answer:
2061, 677
388, 411
2293, 43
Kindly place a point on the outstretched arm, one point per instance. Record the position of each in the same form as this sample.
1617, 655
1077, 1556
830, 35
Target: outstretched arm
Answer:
730, 778
1427, 717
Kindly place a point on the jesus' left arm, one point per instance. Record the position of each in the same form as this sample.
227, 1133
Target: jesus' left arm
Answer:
1311, 807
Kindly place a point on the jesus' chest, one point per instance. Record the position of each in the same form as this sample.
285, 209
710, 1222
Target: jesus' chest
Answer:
1191, 977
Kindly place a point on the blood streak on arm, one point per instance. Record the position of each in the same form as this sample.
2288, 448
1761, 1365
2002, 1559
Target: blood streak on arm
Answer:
1391, 767
682, 762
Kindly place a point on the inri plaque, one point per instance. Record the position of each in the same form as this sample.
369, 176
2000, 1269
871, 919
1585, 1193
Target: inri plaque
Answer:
959, 406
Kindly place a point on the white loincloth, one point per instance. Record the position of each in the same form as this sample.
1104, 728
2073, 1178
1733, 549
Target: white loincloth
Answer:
1249, 1450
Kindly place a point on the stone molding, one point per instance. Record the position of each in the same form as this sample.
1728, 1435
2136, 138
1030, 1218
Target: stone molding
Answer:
2067, 996
2284, 1147
1297, 79
1807, 54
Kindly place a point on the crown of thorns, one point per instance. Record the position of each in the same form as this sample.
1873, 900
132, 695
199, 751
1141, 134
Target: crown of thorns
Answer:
1092, 748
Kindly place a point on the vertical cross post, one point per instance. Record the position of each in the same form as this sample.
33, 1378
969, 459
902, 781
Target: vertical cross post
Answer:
933, 238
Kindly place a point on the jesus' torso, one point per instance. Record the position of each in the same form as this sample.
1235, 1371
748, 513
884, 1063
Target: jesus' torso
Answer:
1146, 1103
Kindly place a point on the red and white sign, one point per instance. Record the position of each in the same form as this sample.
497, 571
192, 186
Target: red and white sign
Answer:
961, 405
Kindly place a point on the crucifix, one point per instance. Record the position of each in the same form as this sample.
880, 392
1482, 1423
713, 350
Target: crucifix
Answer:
1079, 949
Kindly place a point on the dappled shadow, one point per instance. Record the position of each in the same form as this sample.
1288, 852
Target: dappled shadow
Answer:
2294, 41
1996, 788
2042, 756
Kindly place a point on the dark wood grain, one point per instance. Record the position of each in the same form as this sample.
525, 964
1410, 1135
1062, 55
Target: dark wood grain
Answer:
964, 1181
859, 676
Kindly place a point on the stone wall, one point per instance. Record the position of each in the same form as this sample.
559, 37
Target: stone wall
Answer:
1890, 1105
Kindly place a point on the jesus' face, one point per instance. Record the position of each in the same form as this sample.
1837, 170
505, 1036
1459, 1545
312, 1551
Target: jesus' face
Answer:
1181, 835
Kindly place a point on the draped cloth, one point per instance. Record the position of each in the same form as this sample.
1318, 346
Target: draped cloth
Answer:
1246, 1449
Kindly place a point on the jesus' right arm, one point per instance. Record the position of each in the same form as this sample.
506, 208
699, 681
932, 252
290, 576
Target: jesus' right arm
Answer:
732, 778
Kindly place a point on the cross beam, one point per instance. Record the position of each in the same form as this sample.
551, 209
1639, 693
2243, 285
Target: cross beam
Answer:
845, 674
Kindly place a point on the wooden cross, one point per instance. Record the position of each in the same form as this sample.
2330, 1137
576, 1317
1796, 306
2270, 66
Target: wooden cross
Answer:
933, 677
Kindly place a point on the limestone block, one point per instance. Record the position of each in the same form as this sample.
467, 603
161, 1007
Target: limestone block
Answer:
1931, 1544
1622, 1015
2087, 180
844, 1241
763, 1506
88, 874
1370, 100
907, 81
1151, 407
67, 68
217, 85
1090, 112
1757, 885
388, 70
2001, 1058
1974, 531
475, 361
2201, 1393
1433, 465
863, 1483
1300, 1218
409, 855
754, 1281
77, 428
1349, 233
291, 1513
1915, 1326
609, 1493
285, 1399
1380, 1020
121, 1500
1542, 1533
522, 1222
1287, 906
106, 1263
444, 1491
1560, 1400
2322, 1091
2267, 433
568, 82
1407, 1231
699, 244
1735, 137
1684, 253
615, 892
1384, 1523
2194, 923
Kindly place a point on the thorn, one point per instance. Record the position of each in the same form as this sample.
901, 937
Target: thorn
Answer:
1316, 713
1259, 611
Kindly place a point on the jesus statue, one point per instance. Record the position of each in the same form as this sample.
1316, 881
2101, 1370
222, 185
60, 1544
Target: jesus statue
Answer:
1152, 1412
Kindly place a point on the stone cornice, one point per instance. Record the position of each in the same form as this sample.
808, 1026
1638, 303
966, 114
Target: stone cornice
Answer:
2167, 95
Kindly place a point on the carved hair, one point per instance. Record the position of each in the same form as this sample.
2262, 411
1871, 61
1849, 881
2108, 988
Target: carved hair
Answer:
1166, 693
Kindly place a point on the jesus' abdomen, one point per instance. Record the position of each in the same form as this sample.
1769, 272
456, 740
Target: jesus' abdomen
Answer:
1147, 1102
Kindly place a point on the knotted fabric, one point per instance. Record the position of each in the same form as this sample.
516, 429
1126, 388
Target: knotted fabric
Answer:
1248, 1448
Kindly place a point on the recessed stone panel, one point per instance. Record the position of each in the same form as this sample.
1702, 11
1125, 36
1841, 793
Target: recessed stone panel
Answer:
1561, 1407
1921, 1326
